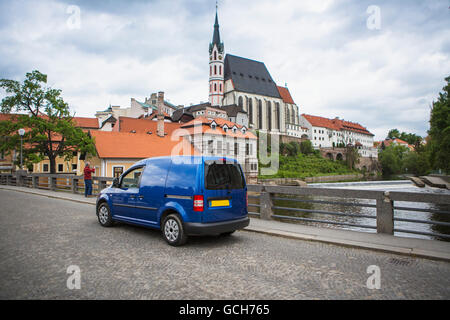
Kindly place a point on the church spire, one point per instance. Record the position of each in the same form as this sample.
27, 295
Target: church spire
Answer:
216, 67
216, 35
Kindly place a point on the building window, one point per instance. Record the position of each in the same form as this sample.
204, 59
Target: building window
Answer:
215, 87
45, 167
240, 102
74, 167
215, 55
219, 147
236, 149
250, 110
269, 118
220, 70
277, 112
215, 70
211, 146
117, 171
220, 86
60, 167
260, 120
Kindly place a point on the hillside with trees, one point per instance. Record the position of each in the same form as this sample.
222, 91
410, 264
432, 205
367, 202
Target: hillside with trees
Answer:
300, 160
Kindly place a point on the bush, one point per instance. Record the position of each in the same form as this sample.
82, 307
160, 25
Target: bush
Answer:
306, 147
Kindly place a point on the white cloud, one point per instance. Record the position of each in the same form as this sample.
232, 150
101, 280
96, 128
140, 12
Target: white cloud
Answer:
333, 64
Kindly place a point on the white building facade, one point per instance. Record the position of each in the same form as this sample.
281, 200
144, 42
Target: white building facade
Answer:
331, 133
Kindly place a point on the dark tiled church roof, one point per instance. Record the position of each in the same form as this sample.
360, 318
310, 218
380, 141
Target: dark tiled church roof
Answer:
233, 109
250, 76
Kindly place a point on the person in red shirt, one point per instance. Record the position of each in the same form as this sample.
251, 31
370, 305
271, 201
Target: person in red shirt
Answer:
88, 179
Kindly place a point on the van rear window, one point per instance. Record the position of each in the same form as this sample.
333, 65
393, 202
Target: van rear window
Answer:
223, 176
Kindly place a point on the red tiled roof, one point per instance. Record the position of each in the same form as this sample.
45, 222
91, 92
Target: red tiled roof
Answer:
91, 123
285, 95
206, 126
322, 122
7, 116
336, 124
138, 146
143, 125
388, 142
155, 114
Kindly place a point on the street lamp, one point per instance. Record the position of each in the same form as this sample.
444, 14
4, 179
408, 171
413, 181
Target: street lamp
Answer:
21, 133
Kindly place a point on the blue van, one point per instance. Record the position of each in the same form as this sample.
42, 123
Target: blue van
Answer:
181, 196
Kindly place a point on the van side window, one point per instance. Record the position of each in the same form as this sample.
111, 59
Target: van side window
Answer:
223, 176
131, 179
182, 178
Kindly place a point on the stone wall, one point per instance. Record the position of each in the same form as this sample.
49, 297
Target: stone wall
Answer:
287, 139
298, 181
370, 165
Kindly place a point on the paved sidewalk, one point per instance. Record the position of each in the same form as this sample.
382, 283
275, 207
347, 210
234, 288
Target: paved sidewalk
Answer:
400, 245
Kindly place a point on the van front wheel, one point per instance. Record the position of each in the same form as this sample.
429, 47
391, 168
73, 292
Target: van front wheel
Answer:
173, 231
104, 215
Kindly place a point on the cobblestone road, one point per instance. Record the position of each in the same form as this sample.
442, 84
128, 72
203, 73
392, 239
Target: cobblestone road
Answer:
41, 237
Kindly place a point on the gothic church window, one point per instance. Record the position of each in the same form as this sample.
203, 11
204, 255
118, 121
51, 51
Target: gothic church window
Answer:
250, 110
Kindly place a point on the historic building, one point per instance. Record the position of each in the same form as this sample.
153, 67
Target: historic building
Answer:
148, 108
245, 85
333, 133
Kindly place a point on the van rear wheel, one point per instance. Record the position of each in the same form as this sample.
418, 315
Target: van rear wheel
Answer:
173, 231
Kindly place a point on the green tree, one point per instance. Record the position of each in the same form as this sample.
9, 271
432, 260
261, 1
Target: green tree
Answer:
306, 147
416, 163
411, 138
440, 130
352, 156
393, 134
391, 159
50, 130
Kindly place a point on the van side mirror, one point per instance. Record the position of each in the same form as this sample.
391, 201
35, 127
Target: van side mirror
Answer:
115, 183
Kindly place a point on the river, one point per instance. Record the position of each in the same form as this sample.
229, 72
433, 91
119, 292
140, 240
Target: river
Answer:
406, 186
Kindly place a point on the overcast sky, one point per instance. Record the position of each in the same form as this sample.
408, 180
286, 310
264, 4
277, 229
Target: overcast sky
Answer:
337, 57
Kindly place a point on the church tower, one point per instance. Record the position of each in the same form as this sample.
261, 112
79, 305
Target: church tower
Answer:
216, 68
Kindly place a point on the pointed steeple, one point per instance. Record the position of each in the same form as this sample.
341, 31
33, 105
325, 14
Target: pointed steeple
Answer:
216, 36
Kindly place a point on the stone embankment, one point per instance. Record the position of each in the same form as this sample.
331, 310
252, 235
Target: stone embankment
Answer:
436, 181
303, 182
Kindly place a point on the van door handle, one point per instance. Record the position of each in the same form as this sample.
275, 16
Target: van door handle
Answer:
132, 198
141, 197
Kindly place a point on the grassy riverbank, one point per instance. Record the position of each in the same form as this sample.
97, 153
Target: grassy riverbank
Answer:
302, 166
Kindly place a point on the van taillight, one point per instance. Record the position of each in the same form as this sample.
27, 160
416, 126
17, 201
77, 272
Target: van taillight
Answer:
198, 203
